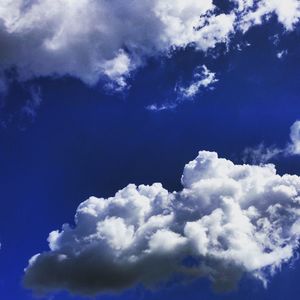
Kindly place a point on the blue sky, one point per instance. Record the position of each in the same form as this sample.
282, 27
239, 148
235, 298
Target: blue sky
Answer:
69, 132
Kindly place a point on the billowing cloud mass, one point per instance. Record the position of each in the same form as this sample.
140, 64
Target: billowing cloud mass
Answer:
93, 40
228, 220
263, 153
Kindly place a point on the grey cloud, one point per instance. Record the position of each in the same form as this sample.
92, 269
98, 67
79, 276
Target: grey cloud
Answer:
231, 219
107, 40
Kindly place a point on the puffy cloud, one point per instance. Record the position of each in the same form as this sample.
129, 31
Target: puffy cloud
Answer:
118, 69
255, 12
89, 39
263, 153
229, 219
93, 40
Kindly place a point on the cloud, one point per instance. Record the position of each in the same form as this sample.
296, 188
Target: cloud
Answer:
162, 107
21, 107
294, 146
118, 69
92, 39
107, 40
263, 153
202, 79
281, 54
255, 12
33, 103
229, 219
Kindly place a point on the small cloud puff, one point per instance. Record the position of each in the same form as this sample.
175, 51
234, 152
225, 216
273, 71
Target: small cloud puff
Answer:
230, 219
202, 79
282, 54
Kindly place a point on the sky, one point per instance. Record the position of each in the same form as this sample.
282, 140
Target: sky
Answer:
149, 149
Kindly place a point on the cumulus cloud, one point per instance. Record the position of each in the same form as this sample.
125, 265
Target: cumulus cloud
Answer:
263, 153
228, 219
99, 40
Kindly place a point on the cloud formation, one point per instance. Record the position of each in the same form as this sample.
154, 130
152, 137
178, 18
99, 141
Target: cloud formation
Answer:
97, 40
203, 78
263, 153
228, 219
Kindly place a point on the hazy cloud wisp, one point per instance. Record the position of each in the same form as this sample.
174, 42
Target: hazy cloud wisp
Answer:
263, 153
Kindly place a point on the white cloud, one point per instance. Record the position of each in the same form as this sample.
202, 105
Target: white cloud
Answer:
263, 153
202, 79
294, 145
88, 39
282, 54
162, 107
232, 219
118, 68
93, 40
255, 12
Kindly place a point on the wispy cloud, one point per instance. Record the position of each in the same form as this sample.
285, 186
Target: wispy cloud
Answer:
27, 101
161, 107
203, 78
33, 102
262, 153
